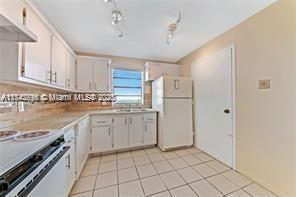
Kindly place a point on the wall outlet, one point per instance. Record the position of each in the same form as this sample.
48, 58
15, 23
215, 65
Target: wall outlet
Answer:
20, 106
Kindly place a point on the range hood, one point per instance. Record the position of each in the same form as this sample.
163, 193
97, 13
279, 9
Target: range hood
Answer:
13, 31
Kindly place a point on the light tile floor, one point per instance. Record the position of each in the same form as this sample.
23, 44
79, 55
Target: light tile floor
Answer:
150, 172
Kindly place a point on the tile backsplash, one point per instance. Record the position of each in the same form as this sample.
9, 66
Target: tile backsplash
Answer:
9, 113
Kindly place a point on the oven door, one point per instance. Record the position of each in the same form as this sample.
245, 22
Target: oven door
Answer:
54, 182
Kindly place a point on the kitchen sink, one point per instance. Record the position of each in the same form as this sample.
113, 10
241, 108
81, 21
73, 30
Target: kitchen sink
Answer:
130, 110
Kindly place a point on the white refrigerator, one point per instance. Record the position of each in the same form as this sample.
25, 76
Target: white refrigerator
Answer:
172, 97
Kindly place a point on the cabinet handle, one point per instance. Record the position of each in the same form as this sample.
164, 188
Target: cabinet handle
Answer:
109, 131
125, 121
149, 118
101, 122
68, 82
48, 75
69, 161
89, 86
145, 127
95, 85
55, 77
131, 120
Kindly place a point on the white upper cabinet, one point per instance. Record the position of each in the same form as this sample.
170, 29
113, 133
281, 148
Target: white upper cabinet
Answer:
84, 74
58, 62
153, 70
13, 8
43, 62
36, 56
70, 71
101, 75
93, 74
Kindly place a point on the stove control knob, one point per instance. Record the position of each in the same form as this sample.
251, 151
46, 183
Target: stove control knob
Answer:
3, 185
62, 140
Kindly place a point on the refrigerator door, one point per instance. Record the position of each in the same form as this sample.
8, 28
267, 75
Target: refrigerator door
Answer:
177, 123
177, 87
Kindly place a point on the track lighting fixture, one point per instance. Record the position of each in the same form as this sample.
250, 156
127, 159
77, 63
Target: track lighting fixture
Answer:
116, 18
172, 29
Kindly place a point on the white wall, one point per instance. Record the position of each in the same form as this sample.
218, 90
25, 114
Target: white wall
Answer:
266, 127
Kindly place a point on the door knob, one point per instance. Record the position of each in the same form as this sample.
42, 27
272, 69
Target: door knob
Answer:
226, 111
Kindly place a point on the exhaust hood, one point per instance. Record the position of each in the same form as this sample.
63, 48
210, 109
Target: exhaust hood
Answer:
14, 31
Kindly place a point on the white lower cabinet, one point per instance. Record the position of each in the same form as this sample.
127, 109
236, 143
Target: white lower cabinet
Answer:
70, 159
122, 131
136, 128
101, 139
150, 125
81, 145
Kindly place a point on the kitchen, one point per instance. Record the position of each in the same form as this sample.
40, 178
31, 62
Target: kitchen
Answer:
147, 98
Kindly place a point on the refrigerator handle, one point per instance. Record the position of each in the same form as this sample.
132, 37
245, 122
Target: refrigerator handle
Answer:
176, 83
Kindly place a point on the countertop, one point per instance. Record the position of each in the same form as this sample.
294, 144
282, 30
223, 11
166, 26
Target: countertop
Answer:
56, 123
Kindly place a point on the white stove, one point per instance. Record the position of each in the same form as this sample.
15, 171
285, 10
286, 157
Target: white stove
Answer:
17, 146
24, 156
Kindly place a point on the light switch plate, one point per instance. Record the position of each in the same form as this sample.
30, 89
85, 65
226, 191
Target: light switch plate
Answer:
264, 84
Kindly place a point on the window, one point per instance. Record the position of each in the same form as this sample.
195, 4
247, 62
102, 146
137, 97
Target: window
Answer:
127, 86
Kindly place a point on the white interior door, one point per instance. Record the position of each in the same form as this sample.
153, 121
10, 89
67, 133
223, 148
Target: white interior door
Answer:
212, 87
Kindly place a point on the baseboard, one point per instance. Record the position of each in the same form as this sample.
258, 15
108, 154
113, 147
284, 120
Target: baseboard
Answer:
274, 190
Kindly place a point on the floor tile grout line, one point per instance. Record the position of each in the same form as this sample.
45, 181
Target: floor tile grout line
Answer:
139, 176
167, 160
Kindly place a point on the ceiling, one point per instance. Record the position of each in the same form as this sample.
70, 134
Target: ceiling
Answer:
86, 24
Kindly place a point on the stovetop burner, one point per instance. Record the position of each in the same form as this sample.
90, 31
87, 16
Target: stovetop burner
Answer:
28, 136
6, 135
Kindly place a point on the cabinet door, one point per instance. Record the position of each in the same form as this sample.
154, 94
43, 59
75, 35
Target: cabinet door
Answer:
101, 75
36, 56
70, 71
13, 8
149, 133
120, 132
101, 139
84, 74
136, 130
58, 62
70, 167
82, 145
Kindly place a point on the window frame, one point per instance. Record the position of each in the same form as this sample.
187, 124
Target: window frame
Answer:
142, 86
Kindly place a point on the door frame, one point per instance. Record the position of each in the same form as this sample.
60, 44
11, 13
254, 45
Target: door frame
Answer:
233, 96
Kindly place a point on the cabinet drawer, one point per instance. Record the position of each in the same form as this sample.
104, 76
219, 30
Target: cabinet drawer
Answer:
150, 117
98, 121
